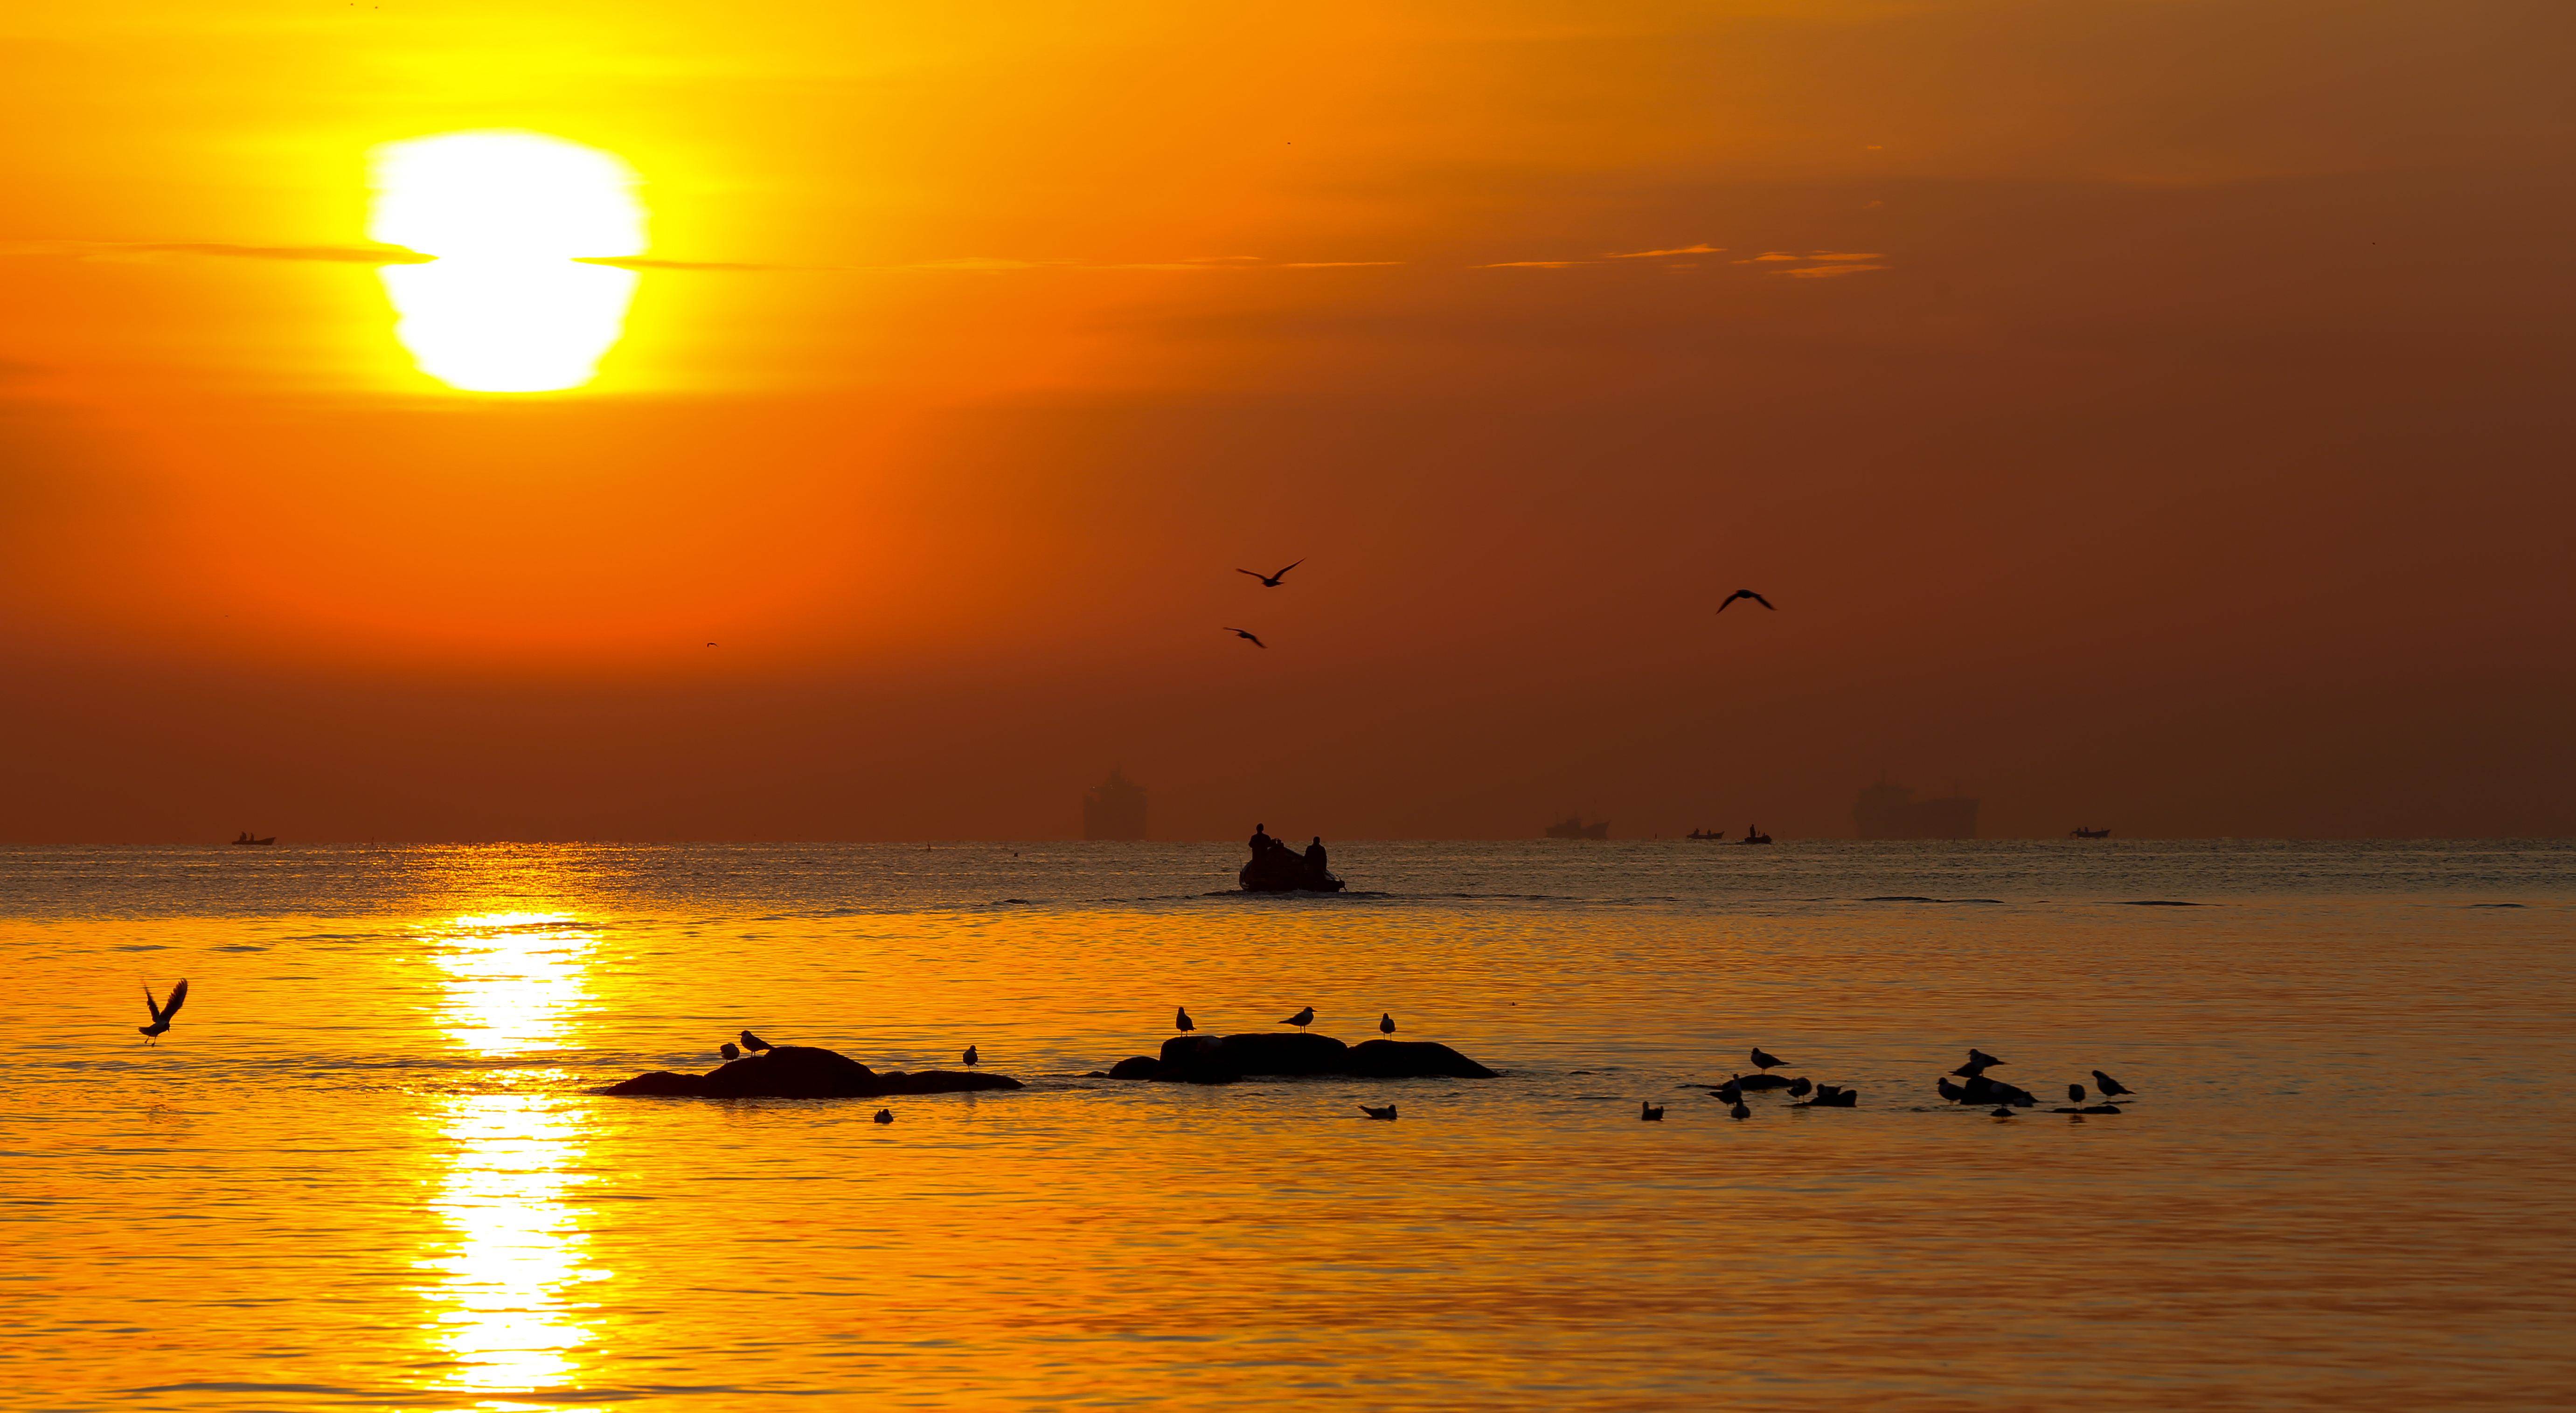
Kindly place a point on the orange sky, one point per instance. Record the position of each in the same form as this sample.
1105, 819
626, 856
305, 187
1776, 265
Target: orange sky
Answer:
2144, 412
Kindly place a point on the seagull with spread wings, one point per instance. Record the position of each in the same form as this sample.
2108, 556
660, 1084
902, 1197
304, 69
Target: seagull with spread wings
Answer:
1247, 637
163, 1012
1744, 594
1269, 581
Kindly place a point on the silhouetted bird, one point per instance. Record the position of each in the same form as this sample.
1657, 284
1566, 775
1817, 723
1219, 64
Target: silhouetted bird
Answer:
885, 1116
753, 1043
1765, 1061
1385, 1024
1269, 581
730, 1051
1970, 1070
1981, 1059
1739, 1111
1181, 1020
711, 645
1651, 1113
1247, 637
1386, 1113
2075, 1094
1950, 1091
971, 1057
1744, 594
1731, 1092
1302, 1019
1798, 1087
2111, 1088
164, 1012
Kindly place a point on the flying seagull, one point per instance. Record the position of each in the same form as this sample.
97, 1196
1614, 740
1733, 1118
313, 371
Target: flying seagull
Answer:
1651, 1113
1269, 581
1385, 1024
1181, 1020
163, 1014
1302, 1019
1247, 637
2111, 1088
1376, 1113
1765, 1061
730, 1051
753, 1042
972, 1058
1744, 594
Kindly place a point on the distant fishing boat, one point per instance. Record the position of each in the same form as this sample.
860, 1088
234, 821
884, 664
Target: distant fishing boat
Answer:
1754, 836
2080, 832
246, 839
1573, 827
1711, 835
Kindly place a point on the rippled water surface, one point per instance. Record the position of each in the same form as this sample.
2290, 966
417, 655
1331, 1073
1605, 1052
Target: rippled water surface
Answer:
364, 1170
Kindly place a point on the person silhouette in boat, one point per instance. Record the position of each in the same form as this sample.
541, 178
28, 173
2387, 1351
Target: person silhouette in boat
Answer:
1315, 857
1262, 843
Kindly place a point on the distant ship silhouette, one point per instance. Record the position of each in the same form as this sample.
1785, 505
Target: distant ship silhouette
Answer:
1114, 808
1888, 811
246, 839
1573, 827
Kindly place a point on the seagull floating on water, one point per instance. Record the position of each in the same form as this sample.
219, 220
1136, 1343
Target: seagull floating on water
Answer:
730, 1051
754, 1043
1247, 637
1269, 581
1764, 1060
1798, 1087
1302, 1019
885, 1116
1745, 594
1387, 1113
1181, 1020
1385, 1024
1651, 1113
971, 1057
164, 1012
2111, 1088
1740, 1111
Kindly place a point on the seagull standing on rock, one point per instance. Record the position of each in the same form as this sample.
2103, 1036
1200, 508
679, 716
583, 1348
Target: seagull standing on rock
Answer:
730, 1051
1385, 1024
1763, 1060
1181, 1020
1302, 1019
754, 1043
971, 1058
2111, 1088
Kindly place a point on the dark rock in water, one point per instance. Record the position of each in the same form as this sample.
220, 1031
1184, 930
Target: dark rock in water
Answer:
1211, 1059
1412, 1059
2100, 1109
804, 1072
1284, 871
1756, 1083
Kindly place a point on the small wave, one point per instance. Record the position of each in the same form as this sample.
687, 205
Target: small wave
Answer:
2495, 905
241, 947
1917, 898
142, 947
2158, 903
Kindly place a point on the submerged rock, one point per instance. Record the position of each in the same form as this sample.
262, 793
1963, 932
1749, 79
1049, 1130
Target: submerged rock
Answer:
1210, 1059
805, 1072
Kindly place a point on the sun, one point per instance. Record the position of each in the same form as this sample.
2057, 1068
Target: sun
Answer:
506, 305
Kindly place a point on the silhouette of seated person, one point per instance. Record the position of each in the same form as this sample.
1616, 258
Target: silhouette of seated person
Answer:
1262, 843
1316, 857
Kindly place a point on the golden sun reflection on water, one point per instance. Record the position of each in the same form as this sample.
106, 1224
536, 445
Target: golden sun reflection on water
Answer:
505, 1287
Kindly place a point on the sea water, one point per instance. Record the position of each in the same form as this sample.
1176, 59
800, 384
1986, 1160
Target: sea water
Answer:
367, 1168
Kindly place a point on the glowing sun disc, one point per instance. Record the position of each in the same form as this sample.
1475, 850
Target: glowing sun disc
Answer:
506, 306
